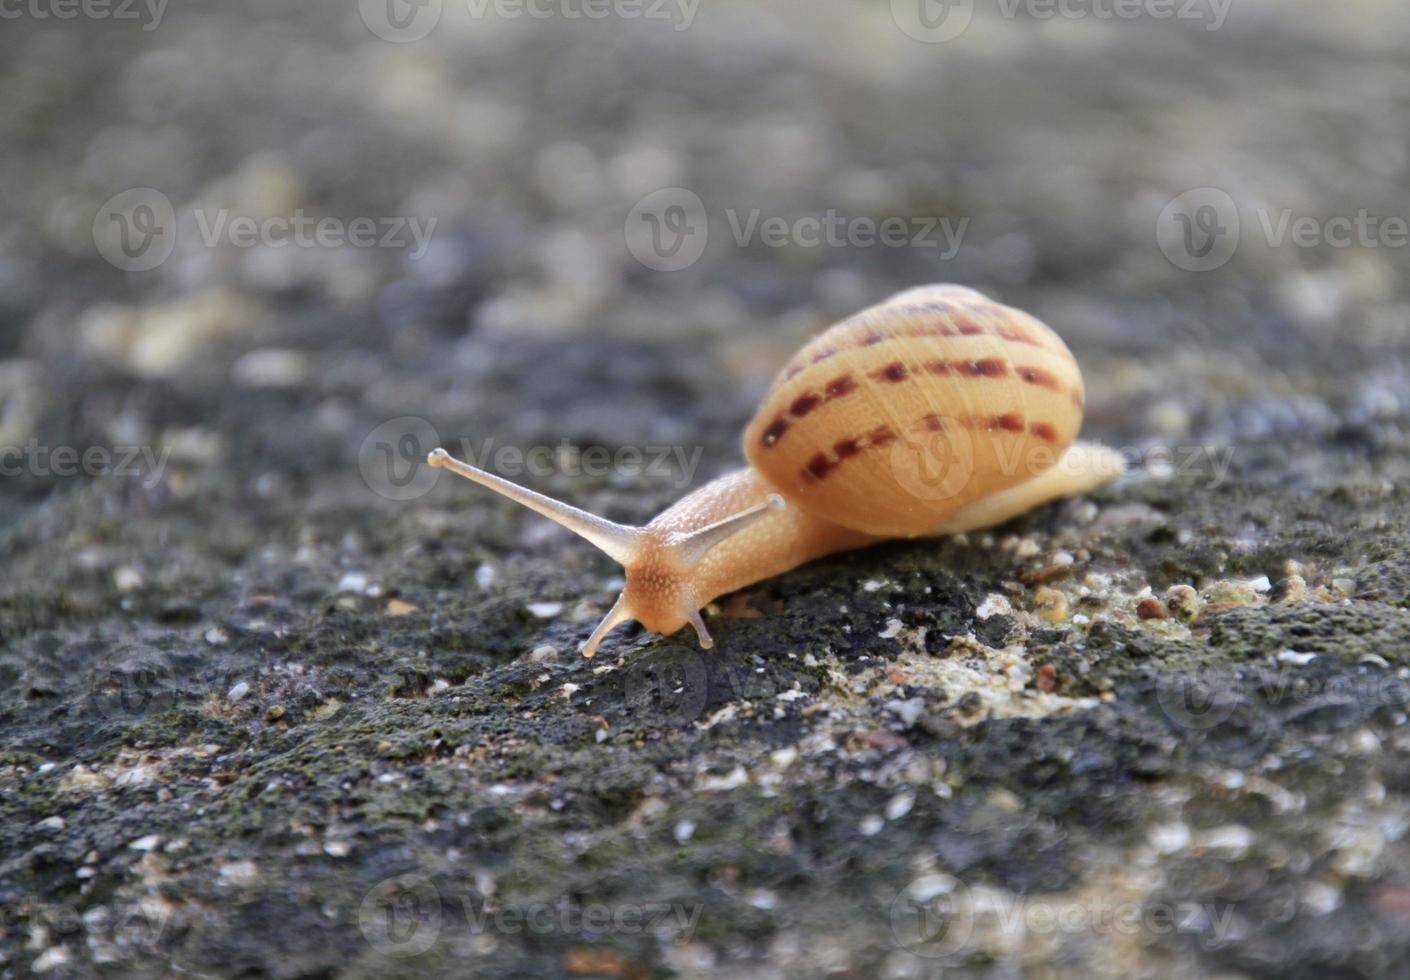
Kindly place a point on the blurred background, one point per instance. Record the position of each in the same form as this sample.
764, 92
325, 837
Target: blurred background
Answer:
502, 165
256, 257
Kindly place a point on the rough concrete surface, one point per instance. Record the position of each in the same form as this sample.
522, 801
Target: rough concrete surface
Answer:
276, 701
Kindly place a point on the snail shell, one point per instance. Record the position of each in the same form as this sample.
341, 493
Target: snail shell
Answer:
899, 416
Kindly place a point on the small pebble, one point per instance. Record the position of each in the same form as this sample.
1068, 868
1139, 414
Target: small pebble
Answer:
544, 652
1320, 898
238, 872
544, 610
783, 758
908, 711
238, 691
970, 703
400, 607
484, 576
148, 843
1234, 592
352, 582
1291, 589
127, 579
1170, 837
900, 805
1231, 842
1050, 605
1048, 573
1184, 602
50, 824
51, 959
1046, 681
1151, 608
270, 367
217, 637
684, 831
871, 826
993, 605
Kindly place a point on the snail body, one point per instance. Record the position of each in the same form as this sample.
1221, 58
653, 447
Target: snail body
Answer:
936, 412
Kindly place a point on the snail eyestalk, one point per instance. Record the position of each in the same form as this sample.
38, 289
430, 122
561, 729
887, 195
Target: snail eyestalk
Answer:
691, 547
618, 541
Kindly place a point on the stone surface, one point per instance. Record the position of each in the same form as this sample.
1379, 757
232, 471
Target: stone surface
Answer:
277, 703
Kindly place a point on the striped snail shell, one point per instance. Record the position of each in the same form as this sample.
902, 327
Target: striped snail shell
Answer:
904, 413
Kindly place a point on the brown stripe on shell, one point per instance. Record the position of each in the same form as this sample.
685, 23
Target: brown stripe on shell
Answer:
818, 467
929, 329
880, 436
1018, 335
896, 371
1006, 422
893, 372
774, 432
987, 367
984, 367
1040, 377
822, 464
1044, 431
847, 448
1014, 333
838, 387
804, 404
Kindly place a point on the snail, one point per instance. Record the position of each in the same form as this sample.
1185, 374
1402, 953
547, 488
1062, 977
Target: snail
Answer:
936, 412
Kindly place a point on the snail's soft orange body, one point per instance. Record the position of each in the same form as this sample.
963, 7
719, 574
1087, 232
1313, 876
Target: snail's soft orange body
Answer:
936, 412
